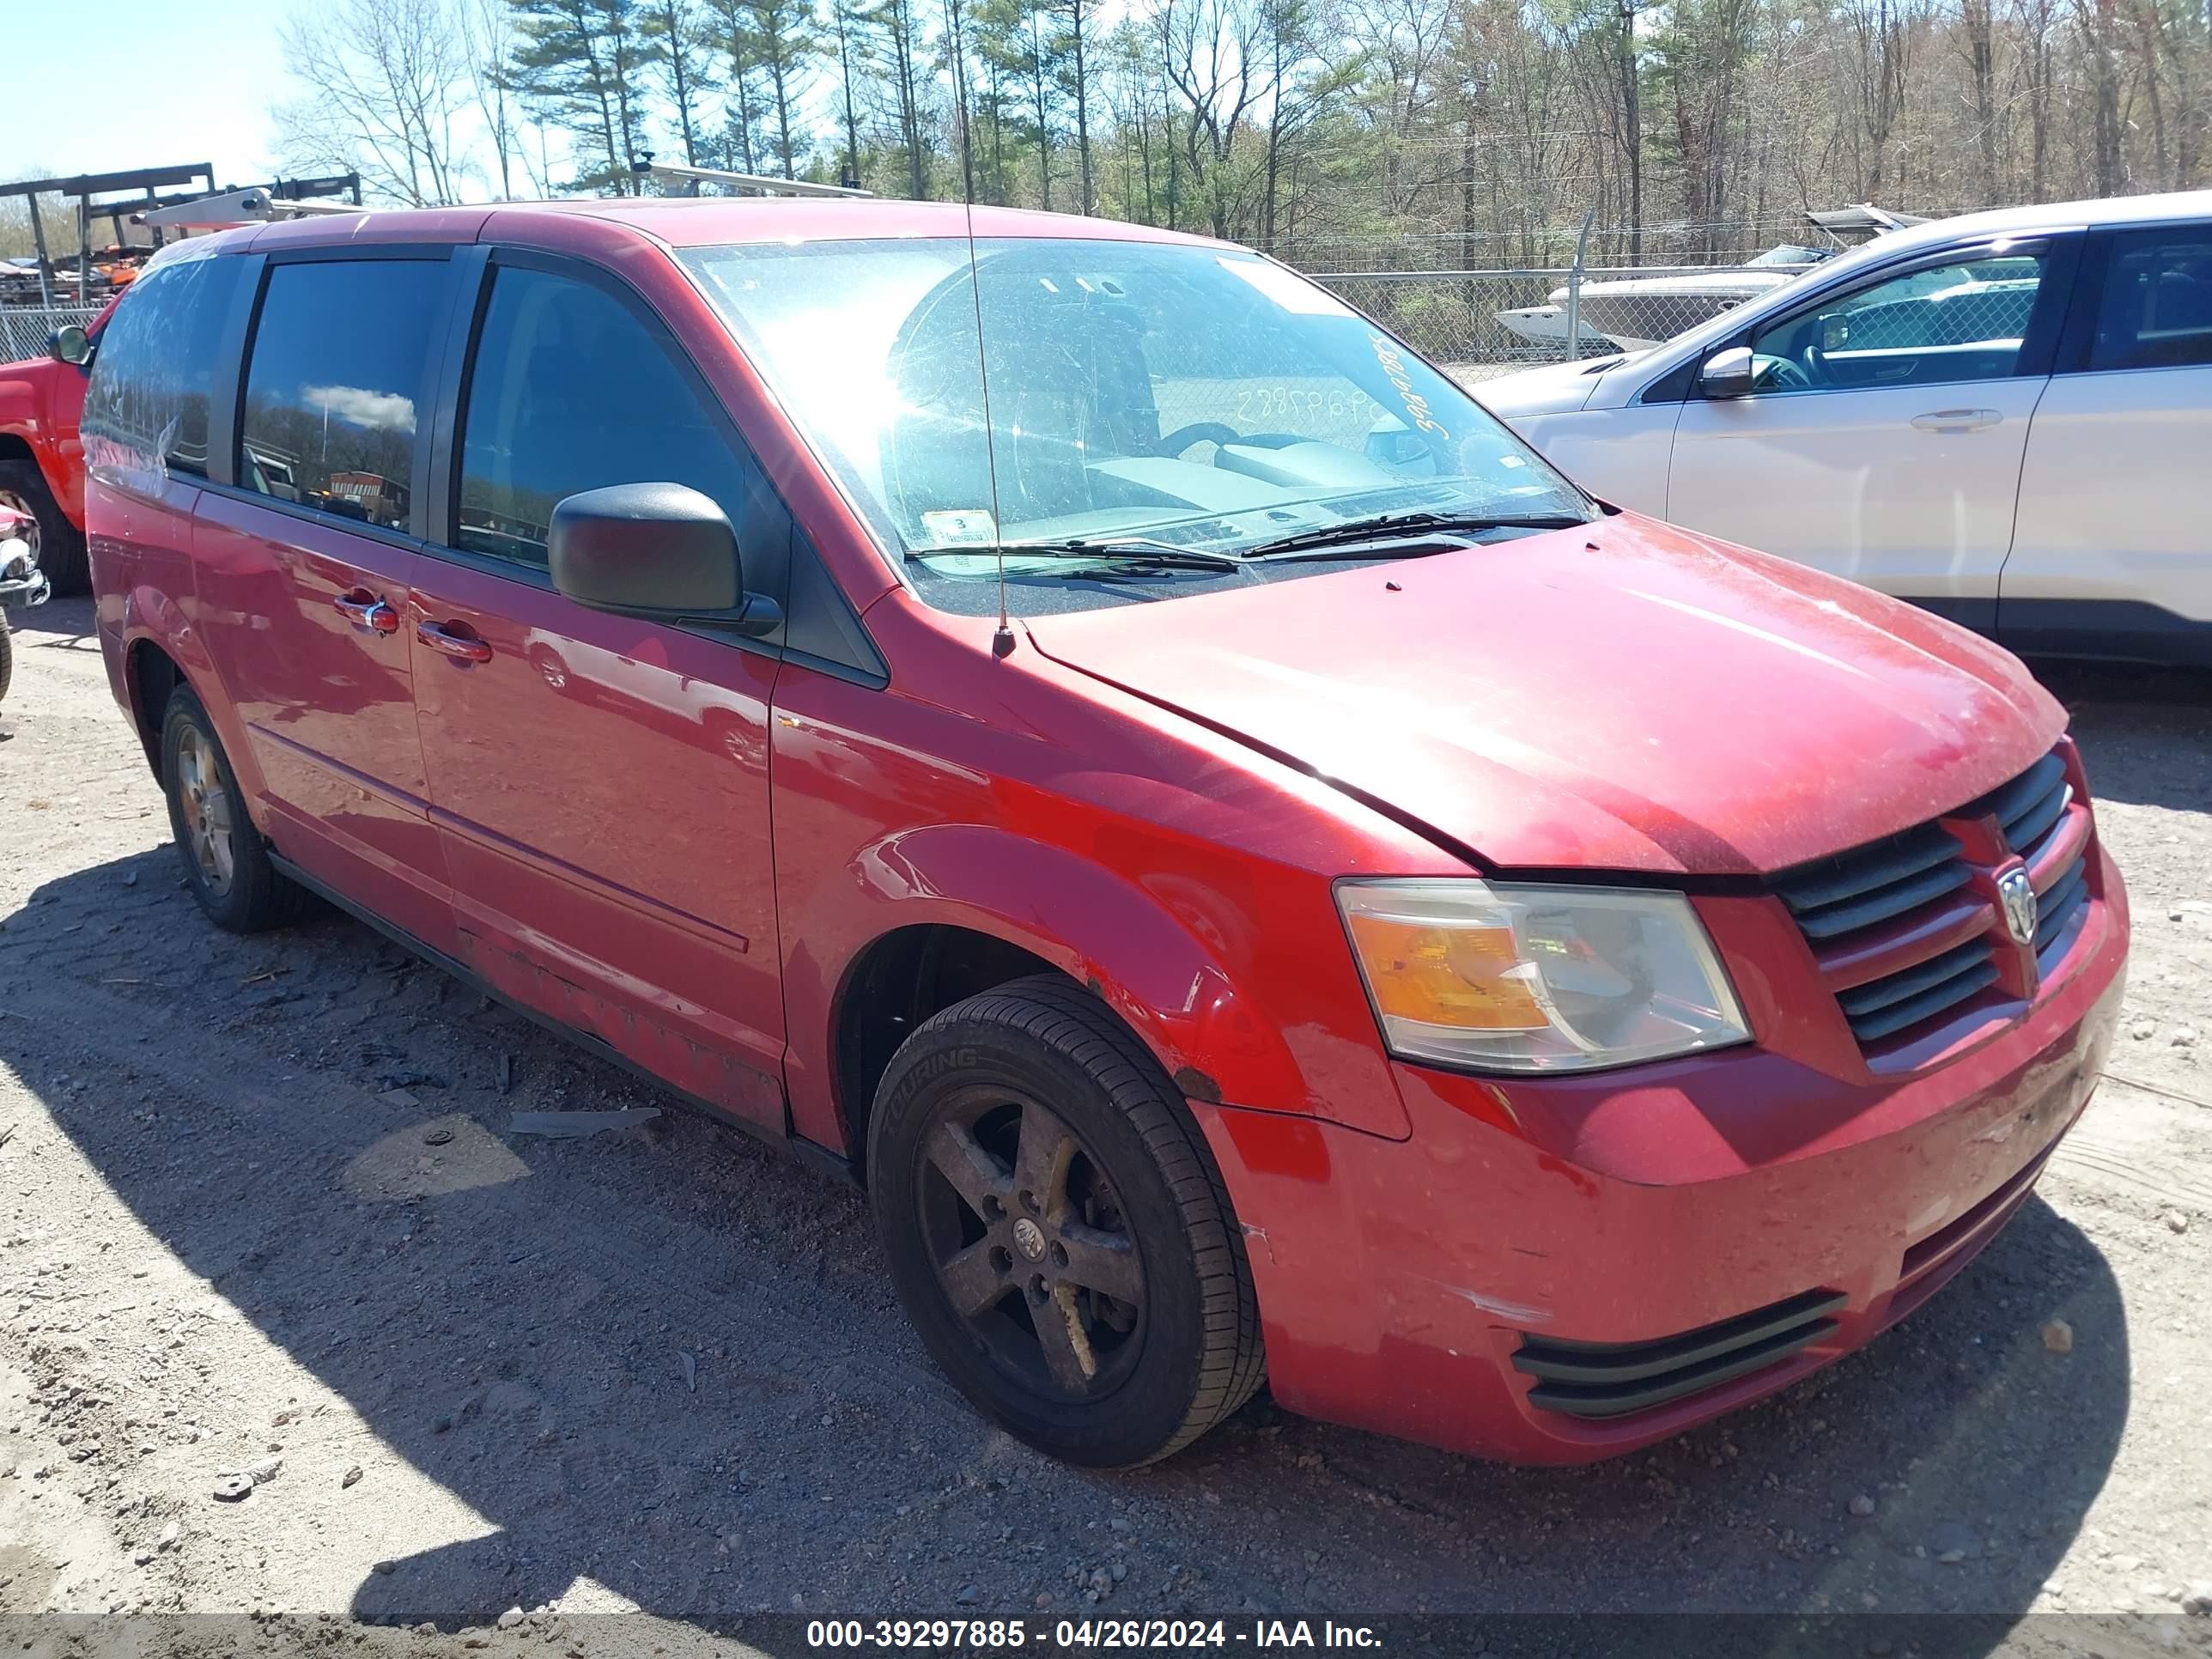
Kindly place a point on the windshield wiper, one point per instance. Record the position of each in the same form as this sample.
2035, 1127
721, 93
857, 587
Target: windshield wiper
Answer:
1126, 552
1382, 526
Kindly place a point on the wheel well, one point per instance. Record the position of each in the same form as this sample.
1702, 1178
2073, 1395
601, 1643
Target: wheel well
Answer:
13, 448
152, 676
899, 981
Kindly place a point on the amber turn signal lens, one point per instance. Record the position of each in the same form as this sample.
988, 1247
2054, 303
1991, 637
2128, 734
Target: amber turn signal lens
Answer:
1461, 976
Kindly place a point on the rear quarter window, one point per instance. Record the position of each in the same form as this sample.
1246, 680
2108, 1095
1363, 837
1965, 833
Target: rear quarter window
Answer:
155, 374
2157, 308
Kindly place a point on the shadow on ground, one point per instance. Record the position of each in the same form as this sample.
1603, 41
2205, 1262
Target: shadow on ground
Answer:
511, 1316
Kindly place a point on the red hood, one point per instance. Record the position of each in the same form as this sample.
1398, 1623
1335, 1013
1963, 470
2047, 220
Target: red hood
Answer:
1626, 696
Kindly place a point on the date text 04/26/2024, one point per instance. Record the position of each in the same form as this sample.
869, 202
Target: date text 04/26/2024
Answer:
1069, 1634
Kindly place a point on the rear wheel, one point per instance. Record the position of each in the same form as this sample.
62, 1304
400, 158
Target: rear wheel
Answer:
226, 866
1057, 1231
57, 545
7, 652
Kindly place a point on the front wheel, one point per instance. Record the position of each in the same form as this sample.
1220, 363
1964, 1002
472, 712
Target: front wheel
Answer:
1057, 1231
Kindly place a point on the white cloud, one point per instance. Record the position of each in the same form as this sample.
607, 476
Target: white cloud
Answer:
358, 406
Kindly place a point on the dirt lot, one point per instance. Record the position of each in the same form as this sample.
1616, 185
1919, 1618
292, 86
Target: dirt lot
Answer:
259, 1200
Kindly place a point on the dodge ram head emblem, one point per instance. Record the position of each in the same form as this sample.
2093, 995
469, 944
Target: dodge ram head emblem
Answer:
2018, 894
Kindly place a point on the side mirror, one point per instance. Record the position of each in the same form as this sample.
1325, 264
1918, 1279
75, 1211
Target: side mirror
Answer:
70, 344
1726, 374
658, 551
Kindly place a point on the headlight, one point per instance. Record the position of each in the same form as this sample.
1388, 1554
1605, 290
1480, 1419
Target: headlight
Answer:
1537, 979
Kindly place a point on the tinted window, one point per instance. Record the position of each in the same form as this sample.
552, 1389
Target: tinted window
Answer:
2157, 312
570, 392
1962, 321
151, 382
336, 375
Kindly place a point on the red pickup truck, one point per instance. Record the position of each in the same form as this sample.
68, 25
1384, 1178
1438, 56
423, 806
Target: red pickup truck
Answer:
42, 463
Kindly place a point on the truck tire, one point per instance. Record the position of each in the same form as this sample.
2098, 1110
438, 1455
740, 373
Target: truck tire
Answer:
7, 652
57, 546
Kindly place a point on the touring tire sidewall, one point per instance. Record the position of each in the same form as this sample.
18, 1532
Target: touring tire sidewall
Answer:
1131, 1424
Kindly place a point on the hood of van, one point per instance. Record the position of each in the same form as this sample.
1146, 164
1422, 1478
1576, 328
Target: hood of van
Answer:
1626, 696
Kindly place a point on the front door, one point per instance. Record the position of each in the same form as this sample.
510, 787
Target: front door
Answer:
600, 783
303, 569
1883, 441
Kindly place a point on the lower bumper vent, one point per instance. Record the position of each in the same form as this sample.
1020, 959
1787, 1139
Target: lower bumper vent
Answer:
1612, 1379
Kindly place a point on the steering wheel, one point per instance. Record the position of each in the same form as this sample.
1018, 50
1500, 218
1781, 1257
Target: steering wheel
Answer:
1197, 432
1784, 375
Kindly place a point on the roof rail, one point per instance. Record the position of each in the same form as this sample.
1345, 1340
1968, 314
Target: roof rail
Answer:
253, 206
671, 174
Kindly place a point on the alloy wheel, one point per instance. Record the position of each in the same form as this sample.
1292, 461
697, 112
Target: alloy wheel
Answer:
203, 797
1031, 1246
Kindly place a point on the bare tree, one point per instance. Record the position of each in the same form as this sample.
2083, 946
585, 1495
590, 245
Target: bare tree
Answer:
1213, 55
386, 79
488, 36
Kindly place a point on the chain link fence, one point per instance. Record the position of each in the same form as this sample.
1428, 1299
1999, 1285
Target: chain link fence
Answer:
24, 328
1482, 323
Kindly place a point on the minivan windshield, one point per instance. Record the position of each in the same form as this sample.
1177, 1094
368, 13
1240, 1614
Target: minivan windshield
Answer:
1162, 417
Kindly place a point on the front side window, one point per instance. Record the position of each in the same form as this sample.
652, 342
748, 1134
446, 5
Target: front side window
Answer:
1962, 320
335, 382
146, 408
1058, 394
2157, 309
570, 392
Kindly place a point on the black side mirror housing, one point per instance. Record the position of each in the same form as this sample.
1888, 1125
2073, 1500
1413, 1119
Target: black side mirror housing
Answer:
659, 551
70, 345
1726, 374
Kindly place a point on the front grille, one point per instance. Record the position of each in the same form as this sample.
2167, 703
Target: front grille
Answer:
1900, 932
1894, 1001
1612, 1379
1862, 902
2031, 806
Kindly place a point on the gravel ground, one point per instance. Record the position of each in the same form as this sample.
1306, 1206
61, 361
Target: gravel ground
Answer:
260, 1209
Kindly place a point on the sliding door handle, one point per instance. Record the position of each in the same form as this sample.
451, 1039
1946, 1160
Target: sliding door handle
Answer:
370, 612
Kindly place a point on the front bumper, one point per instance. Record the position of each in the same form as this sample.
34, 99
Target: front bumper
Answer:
25, 590
1399, 1281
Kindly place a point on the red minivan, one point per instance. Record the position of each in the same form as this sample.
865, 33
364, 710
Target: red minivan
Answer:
1072, 727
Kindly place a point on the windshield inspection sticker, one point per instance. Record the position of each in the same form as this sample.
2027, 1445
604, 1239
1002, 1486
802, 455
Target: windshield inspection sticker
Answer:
1294, 294
1394, 365
960, 526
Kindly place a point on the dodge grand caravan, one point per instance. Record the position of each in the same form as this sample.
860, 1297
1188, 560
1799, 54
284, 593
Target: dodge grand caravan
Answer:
1072, 727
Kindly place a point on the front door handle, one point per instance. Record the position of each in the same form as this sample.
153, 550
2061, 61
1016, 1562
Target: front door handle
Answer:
1956, 420
461, 647
370, 612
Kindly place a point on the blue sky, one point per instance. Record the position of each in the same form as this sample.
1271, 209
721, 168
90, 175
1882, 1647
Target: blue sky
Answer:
126, 83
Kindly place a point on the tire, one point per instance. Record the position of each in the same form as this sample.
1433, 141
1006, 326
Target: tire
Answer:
7, 652
60, 550
226, 868
1041, 1102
